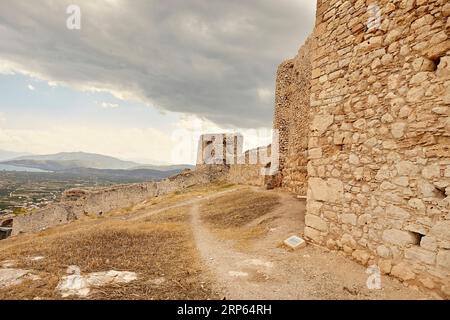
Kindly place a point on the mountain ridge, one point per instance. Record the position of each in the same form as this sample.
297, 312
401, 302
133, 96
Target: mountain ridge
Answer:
71, 160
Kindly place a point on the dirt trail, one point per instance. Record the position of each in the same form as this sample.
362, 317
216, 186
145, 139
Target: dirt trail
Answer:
268, 271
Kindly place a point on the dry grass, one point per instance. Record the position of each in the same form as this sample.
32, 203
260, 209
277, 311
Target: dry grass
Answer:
173, 198
160, 247
238, 209
231, 216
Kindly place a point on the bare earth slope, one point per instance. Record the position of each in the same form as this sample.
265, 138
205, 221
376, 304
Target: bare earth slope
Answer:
207, 243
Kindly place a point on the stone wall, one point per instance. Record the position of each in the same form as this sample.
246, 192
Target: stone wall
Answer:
249, 172
379, 139
219, 149
77, 203
292, 119
225, 151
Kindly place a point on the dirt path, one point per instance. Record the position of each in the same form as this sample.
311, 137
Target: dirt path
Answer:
268, 271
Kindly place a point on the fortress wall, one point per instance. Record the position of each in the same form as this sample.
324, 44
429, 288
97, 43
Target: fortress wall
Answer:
77, 203
225, 151
292, 119
251, 173
379, 140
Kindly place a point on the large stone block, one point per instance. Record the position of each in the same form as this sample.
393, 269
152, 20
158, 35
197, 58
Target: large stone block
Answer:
399, 237
330, 190
321, 123
431, 171
384, 251
348, 241
313, 234
394, 212
316, 222
313, 207
441, 230
403, 271
443, 259
349, 218
420, 255
406, 168
428, 243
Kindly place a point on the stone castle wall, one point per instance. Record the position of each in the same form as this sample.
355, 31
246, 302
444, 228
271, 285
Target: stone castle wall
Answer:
379, 135
77, 203
292, 119
250, 173
225, 151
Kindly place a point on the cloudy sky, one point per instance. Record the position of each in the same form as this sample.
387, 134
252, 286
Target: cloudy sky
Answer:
141, 78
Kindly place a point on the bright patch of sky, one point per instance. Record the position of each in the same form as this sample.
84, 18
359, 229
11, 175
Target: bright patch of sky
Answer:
50, 118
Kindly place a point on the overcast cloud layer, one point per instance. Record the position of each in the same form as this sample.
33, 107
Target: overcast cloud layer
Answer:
213, 58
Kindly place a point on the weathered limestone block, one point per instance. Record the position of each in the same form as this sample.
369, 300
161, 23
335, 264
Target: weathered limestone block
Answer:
428, 243
316, 222
403, 271
313, 207
443, 259
426, 189
313, 234
348, 240
398, 130
431, 171
330, 190
361, 256
417, 204
423, 64
349, 218
437, 50
427, 282
321, 123
399, 237
384, 252
385, 266
441, 230
407, 168
394, 212
420, 255
415, 95
315, 153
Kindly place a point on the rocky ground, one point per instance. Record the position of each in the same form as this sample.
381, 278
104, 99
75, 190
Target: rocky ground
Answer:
207, 243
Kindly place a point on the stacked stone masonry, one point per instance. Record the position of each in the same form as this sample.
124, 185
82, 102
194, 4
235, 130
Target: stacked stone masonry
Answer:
379, 135
292, 119
225, 150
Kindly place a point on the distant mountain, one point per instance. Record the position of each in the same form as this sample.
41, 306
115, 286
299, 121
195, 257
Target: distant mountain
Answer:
73, 161
69, 160
8, 155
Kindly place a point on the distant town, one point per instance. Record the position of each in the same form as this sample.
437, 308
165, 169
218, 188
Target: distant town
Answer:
31, 182
22, 192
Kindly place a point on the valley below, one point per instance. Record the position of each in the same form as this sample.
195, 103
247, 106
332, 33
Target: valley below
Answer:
32, 182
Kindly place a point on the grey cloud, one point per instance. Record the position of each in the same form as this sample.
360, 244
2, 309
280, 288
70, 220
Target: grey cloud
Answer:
205, 57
